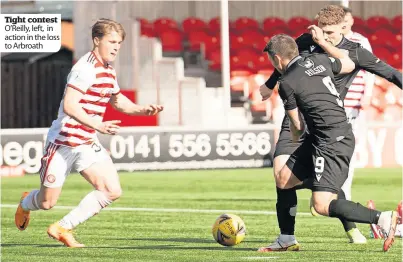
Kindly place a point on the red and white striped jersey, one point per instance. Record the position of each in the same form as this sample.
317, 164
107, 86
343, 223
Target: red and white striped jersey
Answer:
363, 82
98, 83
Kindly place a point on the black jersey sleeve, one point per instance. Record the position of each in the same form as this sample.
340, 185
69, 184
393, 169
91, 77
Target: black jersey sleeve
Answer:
367, 61
333, 63
287, 95
306, 45
272, 81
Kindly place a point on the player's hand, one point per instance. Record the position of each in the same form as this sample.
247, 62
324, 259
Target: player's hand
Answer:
109, 127
265, 92
151, 110
317, 34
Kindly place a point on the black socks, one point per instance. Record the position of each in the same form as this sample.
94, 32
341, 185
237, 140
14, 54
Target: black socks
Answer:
286, 208
355, 212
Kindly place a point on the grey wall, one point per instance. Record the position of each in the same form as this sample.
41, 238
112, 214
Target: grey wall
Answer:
259, 10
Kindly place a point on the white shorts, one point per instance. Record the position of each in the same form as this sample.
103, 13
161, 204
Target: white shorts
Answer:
58, 160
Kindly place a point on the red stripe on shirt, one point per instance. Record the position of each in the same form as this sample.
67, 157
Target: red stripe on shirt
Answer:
103, 85
72, 144
93, 102
92, 112
76, 88
90, 92
66, 134
100, 75
82, 127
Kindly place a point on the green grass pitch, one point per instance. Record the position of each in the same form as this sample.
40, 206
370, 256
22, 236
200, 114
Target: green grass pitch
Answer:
168, 217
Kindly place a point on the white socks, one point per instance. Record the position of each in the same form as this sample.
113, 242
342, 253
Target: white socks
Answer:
30, 202
89, 206
349, 182
384, 219
287, 238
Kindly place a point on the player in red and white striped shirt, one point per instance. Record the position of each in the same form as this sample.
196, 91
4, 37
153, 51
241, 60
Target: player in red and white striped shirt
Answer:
359, 94
72, 141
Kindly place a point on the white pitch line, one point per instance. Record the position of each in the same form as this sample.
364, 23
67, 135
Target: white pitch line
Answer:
174, 210
259, 258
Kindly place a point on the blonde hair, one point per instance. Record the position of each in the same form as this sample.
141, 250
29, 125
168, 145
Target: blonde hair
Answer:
331, 15
104, 26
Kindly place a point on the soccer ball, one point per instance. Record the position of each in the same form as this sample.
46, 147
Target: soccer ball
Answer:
229, 230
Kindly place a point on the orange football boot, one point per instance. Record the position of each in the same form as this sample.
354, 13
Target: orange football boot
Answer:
21, 216
63, 235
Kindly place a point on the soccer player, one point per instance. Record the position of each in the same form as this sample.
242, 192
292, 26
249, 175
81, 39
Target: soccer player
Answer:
72, 141
331, 20
307, 87
358, 96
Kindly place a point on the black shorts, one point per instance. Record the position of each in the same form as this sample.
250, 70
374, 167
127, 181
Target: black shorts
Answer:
325, 165
285, 145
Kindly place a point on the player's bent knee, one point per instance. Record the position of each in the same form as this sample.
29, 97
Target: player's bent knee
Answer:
114, 194
47, 204
322, 207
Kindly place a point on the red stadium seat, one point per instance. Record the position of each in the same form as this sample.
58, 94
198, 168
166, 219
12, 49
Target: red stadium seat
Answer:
382, 37
214, 25
378, 22
396, 41
249, 57
395, 60
215, 60
148, 32
272, 22
163, 24
277, 30
298, 22
358, 21
212, 43
236, 42
197, 38
171, 40
144, 22
146, 28
299, 31
396, 23
254, 38
234, 62
362, 29
243, 23
192, 24
263, 63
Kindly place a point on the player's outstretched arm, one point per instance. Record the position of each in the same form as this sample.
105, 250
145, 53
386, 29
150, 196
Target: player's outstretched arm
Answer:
367, 61
123, 104
266, 90
347, 65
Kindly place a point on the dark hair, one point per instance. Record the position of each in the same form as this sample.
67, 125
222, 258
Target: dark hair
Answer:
283, 46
